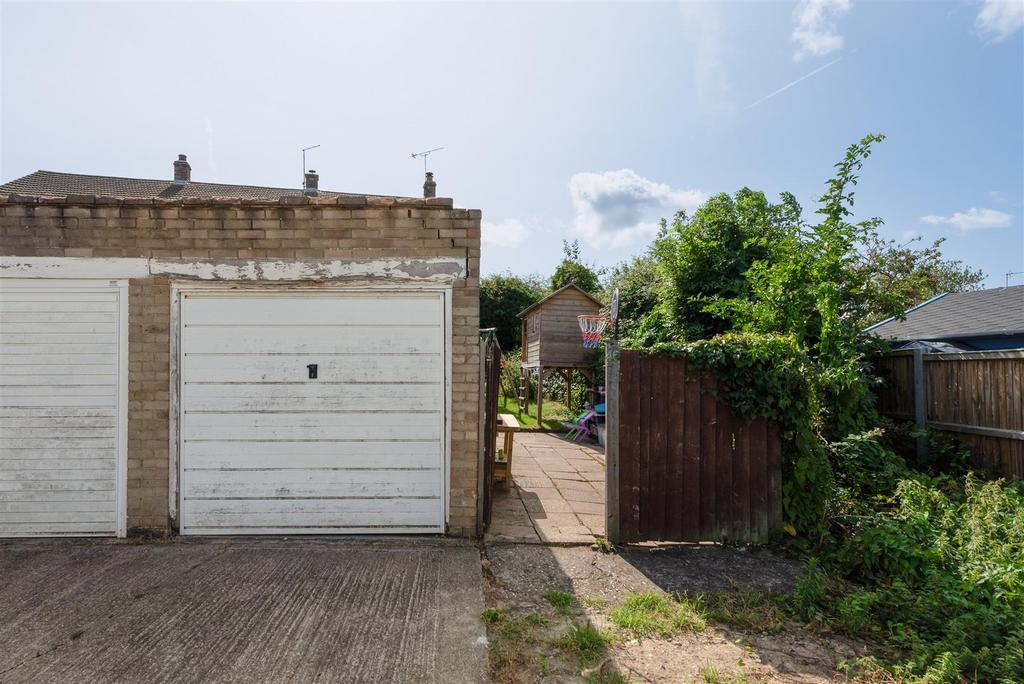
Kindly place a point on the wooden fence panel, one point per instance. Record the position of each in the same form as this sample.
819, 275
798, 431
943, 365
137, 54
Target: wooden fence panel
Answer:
978, 396
688, 468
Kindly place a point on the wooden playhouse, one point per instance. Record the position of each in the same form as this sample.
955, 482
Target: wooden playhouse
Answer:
551, 341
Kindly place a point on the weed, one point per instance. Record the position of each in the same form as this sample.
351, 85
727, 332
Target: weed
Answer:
563, 602
809, 590
710, 674
648, 614
511, 640
747, 609
537, 619
592, 602
490, 615
585, 641
603, 545
609, 677
77, 634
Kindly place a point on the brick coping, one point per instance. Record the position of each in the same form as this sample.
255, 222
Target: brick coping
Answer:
288, 200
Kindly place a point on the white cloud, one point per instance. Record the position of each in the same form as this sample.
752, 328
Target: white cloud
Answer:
909, 236
621, 208
972, 219
508, 233
999, 19
998, 196
815, 31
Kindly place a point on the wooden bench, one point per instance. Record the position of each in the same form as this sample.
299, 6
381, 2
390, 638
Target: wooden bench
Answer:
507, 426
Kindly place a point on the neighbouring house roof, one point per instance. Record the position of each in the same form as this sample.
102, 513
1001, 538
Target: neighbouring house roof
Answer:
558, 292
982, 313
55, 184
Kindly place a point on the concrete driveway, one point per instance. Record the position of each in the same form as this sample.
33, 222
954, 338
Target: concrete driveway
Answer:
242, 610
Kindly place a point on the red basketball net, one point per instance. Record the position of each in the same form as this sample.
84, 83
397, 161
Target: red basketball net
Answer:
591, 328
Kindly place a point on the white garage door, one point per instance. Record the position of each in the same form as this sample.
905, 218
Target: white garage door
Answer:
63, 386
312, 413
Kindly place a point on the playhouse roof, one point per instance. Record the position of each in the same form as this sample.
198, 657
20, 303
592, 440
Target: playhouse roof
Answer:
557, 292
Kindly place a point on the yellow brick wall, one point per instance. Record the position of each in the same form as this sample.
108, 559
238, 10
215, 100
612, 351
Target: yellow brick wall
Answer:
300, 229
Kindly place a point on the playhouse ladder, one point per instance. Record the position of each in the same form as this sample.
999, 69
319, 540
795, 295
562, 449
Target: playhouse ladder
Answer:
524, 390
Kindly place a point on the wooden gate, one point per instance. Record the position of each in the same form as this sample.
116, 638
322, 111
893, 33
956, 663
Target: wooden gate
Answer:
681, 465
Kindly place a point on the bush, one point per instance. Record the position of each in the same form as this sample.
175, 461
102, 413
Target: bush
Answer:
509, 381
942, 569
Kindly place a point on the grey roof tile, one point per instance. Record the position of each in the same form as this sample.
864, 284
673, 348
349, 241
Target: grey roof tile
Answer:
55, 184
998, 311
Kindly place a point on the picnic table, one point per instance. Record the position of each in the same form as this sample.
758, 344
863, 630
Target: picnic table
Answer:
507, 426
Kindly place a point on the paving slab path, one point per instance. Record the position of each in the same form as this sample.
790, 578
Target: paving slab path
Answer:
244, 610
557, 495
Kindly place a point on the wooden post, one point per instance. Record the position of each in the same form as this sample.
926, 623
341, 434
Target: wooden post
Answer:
611, 441
920, 409
568, 389
540, 396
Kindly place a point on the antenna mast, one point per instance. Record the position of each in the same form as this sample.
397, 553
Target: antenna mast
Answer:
304, 149
424, 154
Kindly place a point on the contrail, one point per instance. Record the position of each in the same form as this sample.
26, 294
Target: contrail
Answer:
793, 83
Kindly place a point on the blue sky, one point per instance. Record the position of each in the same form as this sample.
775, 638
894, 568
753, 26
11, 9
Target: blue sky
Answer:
559, 121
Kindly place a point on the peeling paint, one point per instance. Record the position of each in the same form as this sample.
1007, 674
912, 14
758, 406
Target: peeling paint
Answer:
428, 269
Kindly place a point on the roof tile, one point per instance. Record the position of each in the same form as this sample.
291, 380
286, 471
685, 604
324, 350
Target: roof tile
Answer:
85, 189
999, 311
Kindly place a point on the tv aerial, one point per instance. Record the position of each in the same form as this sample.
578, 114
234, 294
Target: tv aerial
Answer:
425, 154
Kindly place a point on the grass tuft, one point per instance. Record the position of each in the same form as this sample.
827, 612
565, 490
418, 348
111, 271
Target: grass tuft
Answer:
490, 615
586, 641
562, 601
537, 619
710, 675
746, 609
649, 613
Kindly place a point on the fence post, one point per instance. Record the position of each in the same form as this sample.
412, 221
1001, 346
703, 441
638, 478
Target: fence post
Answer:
920, 410
611, 441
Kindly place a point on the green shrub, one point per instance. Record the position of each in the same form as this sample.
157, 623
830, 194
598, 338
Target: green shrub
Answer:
856, 611
810, 590
942, 569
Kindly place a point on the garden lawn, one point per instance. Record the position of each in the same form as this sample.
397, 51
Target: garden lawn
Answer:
555, 414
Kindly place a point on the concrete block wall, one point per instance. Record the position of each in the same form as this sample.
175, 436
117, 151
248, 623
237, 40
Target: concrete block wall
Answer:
297, 228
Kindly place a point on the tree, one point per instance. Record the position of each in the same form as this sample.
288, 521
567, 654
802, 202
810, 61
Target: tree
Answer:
574, 271
899, 277
502, 297
705, 259
639, 283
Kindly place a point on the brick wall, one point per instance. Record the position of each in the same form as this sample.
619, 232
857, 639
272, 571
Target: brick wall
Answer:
298, 228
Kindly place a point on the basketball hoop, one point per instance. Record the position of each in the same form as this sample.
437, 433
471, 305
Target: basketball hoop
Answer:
591, 328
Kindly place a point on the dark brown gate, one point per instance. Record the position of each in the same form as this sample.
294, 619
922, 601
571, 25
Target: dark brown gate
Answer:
490, 381
681, 465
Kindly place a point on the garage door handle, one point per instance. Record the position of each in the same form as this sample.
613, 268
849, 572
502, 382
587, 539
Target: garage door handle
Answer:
312, 371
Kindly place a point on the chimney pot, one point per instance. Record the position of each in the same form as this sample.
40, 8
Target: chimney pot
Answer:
312, 183
182, 170
429, 186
